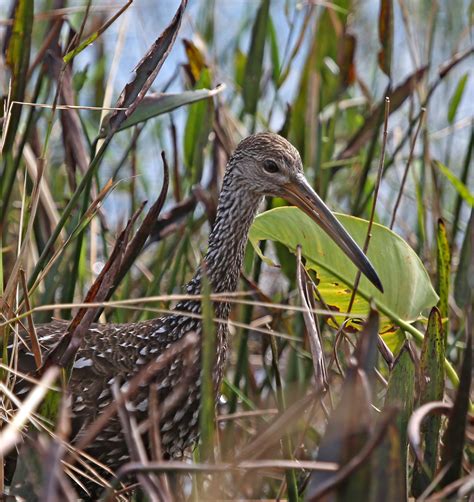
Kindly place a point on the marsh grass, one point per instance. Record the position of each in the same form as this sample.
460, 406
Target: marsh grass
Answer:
310, 407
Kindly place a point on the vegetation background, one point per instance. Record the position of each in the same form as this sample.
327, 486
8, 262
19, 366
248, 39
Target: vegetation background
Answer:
318, 73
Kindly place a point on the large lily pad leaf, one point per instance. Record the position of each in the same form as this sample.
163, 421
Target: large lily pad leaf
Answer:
408, 290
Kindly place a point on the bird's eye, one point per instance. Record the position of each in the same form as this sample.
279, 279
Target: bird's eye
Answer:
270, 166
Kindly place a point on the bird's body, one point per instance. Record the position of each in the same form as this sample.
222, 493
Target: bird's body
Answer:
116, 352
263, 164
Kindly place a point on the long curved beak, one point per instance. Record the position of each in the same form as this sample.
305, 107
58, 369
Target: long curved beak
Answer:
300, 193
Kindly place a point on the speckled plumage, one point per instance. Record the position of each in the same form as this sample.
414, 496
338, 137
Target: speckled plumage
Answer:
118, 351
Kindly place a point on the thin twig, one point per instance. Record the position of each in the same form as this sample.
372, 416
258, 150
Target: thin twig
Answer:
31, 326
312, 328
374, 203
407, 167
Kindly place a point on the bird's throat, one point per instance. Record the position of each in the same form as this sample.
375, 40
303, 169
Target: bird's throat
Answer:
228, 239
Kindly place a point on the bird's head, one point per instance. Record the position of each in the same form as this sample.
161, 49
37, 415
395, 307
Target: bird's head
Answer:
267, 164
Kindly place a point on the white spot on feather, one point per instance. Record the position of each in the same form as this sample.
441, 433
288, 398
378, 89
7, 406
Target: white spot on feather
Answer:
82, 362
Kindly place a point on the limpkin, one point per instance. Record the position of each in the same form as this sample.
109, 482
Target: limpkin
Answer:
262, 165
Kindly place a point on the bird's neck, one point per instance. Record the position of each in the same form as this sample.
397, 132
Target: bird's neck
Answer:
228, 239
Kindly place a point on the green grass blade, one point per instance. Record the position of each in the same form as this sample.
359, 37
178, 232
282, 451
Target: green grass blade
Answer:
17, 58
464, 177
253, 68
196, 133
400, 392
388, 478
443, 266
463, 285
431, 388
456, 98
460, 187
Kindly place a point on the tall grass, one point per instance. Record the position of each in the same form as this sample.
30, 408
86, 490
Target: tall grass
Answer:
385, 422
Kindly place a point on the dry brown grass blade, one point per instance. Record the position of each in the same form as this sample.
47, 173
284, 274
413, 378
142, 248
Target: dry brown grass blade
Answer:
252, 465
274, 431
155, 438
91, 211
19, 263
356, 461
72, 132
76, 153
374, 202
51, 38
366, 348
172, 402
407, 167
11, 434
146, 71
136, 245
244, 465
66, 349
149, 482
46, 198
94, 36
54, 476
234, 298
35, 348
304, 288
154, 429
168, 221
397, 98
464, 487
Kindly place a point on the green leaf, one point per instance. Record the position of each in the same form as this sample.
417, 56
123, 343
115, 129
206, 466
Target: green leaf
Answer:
198, 127
431, 388
347, 432
79, 79
240, 61
464, 280
17, 58
400, 392
318, 85
443, 265
366, 350
454, 436
465, 173
460, 187
209, 348
159, 104
408, 290
388, 479
275, 53
420, 208
456, 98
254, 66
96, 34
395, 341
